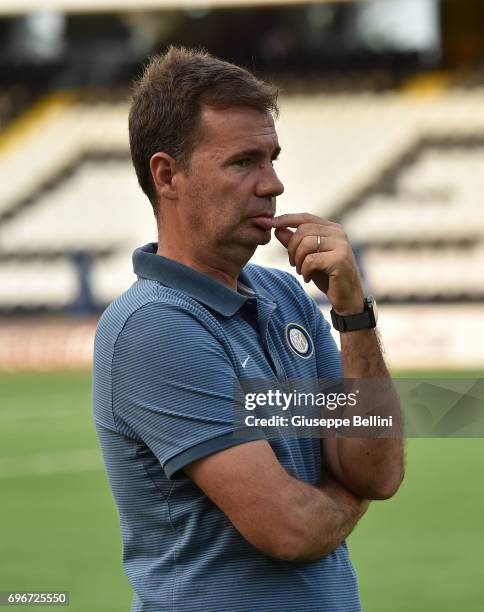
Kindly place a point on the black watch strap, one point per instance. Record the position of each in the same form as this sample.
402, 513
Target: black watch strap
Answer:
355, 322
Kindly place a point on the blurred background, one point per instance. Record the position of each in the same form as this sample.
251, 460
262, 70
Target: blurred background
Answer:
382, 130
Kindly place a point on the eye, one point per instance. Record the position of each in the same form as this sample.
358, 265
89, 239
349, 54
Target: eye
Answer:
243, 162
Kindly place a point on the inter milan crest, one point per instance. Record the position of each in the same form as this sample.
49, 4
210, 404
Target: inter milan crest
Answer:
299, 340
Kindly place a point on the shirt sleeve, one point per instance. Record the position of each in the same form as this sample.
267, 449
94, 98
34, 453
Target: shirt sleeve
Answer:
173, 386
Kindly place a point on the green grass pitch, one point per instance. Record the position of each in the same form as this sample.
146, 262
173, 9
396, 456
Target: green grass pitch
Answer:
422, 551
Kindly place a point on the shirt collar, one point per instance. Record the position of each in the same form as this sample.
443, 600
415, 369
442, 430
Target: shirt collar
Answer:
201, 287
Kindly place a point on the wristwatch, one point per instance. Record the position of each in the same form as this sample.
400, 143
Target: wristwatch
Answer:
362, 320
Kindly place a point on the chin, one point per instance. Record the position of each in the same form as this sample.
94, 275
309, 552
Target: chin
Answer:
265, 239
254, 243
259, 236
249, 241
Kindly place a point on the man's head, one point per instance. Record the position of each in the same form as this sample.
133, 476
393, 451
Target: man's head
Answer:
203, 143
167, 104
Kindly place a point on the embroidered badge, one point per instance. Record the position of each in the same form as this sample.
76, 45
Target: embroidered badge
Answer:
299, 340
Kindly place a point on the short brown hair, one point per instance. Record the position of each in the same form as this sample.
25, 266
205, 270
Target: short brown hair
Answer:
167, 101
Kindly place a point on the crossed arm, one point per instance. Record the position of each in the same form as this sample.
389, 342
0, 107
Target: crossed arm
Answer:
278, 514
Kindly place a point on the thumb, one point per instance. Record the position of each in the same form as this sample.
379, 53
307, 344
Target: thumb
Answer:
283, 235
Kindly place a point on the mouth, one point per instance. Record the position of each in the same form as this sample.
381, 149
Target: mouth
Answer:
264, 221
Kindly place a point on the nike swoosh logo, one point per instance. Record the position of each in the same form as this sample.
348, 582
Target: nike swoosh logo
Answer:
244, 363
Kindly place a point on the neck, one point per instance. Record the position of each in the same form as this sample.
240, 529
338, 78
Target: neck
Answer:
224, 270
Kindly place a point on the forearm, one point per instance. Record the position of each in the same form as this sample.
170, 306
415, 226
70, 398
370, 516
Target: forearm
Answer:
372, 467
325, 516
361, 355
369, 467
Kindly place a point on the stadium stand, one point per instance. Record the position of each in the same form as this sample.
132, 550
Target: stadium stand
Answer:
400, 172
36, 276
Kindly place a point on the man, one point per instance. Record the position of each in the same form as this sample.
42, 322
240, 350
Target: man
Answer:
210, 521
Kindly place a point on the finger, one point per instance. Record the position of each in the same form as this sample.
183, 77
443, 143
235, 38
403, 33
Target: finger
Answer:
313, 262
283, 235
309, 244
308, 229
303, 231
297, 219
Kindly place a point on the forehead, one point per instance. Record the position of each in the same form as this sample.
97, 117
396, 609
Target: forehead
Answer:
229, 129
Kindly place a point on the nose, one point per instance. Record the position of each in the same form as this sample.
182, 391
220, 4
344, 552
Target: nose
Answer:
268, 184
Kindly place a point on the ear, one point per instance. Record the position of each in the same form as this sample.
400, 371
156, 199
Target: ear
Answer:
163, 169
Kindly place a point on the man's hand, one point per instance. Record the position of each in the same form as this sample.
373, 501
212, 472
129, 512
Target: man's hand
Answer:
342, 495
328, 260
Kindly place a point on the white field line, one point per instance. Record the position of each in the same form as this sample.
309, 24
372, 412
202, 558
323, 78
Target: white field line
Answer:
84, 460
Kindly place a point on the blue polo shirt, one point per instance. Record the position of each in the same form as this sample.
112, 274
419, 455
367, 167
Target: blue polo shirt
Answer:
167, 353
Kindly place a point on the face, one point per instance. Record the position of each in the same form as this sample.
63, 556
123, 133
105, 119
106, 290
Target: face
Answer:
228, 197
